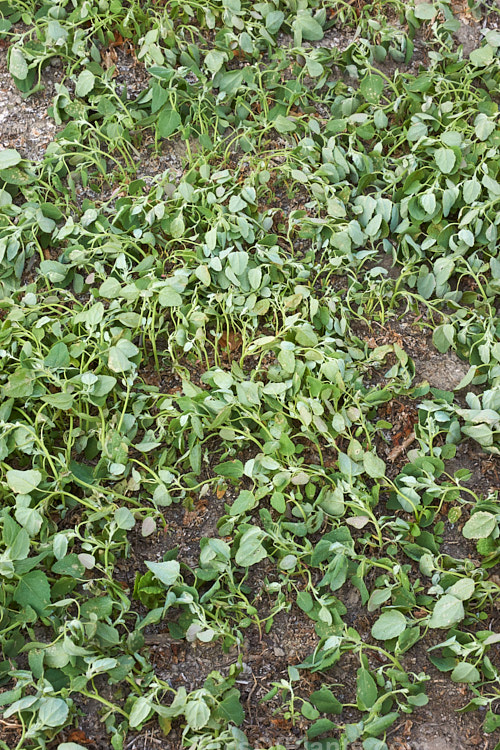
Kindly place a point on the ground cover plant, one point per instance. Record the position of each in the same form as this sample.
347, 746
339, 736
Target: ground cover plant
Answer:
250, 375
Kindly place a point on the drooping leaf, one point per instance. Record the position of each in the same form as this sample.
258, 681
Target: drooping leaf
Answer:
53, 712
326, 702
166, 572
366, 689
390, 624
447, 612
251, 549
23, 482
9, 157
480, 525
85, 83
140, 712
197, 714
445, 159
169, 121
18, 67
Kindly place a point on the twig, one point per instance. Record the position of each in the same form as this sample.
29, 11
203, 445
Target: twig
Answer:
398, 450
8, 725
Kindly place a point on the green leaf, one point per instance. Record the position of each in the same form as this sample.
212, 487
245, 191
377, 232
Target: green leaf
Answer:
23, 482
124, 519
214, 60
483, 127
203, 274
166, 572
336, 574
428, 201
372, 87
274, 20
17, 176
278, 502
237, 260
378, 726
117, 360
118, 357
390, 624
420, 699
169, 121
305, 601
177, 227
110, 288
306, 27
491, 722
480, 525
34, 590
314, 68
104, 385
288, 562
309, 711
407, 639
69, 565
18, 67
243, 503
465, 672
466, 236
84, 83
197, 714
377, 598
445, 159
140, 711
370, 743
233, 469
425, 11
426, 285
326, 702
62, 401
284, 124
443, 337
462, 589
101, 606
482, 56
53, 712
471, 190
468, 378
366, 689
251, 550
447, 612
159, 96
373, 465
320, 727
30, 519
9, 157
230, 708
380, 119
450, 195
169, 298
236, 203
19, 546
416, 131
58, 357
